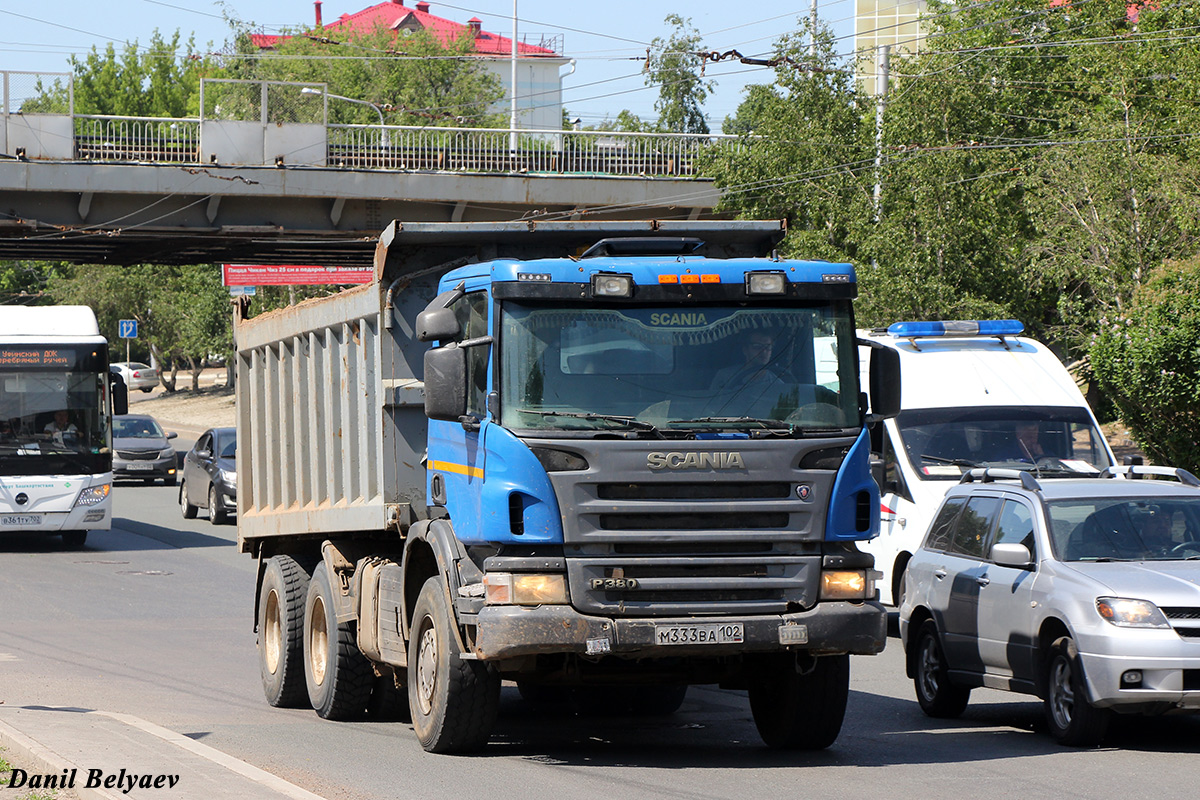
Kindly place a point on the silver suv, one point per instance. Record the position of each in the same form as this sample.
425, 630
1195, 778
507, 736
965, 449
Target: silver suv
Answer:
1084, 592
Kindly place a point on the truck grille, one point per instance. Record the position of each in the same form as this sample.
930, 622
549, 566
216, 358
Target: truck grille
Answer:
642, 541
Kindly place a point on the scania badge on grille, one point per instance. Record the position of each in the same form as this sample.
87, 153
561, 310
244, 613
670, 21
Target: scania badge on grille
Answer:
722, 459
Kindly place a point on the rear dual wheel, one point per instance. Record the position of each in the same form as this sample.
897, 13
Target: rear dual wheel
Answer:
280, 630
338, 677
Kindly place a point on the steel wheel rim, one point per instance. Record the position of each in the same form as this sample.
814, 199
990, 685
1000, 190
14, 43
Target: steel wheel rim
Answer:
1062, 696
273, 635
427, 657
318, 641
928, 667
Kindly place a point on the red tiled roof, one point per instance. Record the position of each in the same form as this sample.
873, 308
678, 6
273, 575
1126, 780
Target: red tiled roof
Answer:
394, 14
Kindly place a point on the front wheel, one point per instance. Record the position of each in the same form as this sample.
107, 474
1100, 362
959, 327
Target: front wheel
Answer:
188, 510
453, 701
1072, 719
74, 539
936, 695
216, 514
795, 710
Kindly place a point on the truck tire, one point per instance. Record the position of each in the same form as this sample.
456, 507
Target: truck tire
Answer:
453, 701
795, 711
338, 676
388, 703
281, 631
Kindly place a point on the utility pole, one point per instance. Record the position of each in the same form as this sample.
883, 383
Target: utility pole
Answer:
812, 34
512, 121
881, 90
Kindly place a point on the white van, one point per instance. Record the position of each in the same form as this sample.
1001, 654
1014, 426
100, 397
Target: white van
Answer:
973, 394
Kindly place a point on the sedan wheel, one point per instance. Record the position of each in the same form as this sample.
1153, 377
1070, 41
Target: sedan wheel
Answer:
216, 514
189, 510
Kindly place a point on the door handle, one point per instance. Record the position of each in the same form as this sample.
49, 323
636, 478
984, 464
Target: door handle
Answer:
983, 580
939, 573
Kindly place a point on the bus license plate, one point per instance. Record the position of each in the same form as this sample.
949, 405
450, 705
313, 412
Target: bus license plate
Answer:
21, 519
723, 633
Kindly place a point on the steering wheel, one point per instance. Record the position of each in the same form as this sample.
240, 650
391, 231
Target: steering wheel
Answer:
1183, 547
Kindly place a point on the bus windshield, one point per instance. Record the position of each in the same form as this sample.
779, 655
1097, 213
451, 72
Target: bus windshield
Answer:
688, 370
52, 401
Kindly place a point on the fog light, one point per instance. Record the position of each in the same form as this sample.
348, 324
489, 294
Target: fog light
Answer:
1131, 679
533, 589
766, 283
609, 285
846, 585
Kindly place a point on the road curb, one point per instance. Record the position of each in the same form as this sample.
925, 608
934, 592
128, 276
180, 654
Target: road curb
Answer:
42, 758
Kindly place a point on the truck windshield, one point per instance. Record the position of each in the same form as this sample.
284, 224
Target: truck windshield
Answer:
699, 368
943, 443
51, 404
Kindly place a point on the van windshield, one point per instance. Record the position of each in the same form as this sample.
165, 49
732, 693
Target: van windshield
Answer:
680, 370
943, 443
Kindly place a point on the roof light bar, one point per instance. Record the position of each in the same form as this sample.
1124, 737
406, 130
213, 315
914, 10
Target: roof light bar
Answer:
960, 327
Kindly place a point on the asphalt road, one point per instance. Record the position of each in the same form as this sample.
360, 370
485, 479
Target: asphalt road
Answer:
153, 619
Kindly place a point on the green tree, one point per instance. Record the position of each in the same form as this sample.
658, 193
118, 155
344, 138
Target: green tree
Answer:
1148, 362
674, 67
160, 80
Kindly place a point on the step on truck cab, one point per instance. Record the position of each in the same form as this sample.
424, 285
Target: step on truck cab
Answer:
56, 405
976, 394
569, 454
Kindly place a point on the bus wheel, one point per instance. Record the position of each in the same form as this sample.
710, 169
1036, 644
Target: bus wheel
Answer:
74, 539
453, 701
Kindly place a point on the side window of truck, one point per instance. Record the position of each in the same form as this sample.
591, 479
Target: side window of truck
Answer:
471, 310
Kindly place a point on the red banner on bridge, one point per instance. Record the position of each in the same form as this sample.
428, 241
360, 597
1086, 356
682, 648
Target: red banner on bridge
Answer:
292, 275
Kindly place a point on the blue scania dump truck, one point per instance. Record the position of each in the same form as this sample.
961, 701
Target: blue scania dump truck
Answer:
596, 459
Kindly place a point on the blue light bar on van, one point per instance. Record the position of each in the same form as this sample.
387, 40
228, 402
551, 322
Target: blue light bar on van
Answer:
957, 327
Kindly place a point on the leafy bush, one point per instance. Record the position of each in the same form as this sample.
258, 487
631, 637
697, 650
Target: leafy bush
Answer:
1148, 361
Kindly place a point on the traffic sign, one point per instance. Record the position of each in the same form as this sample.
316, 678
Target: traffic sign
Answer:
127, 329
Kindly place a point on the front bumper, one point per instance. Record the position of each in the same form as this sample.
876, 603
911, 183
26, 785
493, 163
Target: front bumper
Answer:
138, 468
1170, 669
829, 628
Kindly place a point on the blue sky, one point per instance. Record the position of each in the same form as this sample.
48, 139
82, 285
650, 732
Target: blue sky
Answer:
607, 39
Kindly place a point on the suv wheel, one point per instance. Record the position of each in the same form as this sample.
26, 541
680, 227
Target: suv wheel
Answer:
1071, 717
931, 677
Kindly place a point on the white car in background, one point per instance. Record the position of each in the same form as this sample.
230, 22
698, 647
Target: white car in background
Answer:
137, 375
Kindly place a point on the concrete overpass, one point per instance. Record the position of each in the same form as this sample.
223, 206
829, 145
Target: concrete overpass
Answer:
123, 190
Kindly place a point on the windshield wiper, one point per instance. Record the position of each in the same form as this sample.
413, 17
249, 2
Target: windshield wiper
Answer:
956, 462
632, 422
774, 424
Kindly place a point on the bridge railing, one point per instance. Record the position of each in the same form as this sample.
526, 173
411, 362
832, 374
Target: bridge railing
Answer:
410, 148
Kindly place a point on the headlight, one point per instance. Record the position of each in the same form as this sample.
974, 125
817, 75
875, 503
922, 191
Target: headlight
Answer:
532, 589
168, 453
857, 584
1126, 613
230, 479
93, 495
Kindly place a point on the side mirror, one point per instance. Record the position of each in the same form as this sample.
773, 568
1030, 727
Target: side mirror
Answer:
119, 393
172, 435
437, 325
446, 383
1011, 555
885, 382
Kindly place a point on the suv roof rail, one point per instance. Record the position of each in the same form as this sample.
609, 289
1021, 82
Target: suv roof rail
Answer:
1133, 470
990, 474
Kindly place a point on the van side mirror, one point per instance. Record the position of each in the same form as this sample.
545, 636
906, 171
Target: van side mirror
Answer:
885, 382
446, 383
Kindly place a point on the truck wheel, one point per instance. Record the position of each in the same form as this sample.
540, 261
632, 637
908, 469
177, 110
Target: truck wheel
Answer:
794, 711
74, 539
281, 630
937, 697
657, 701
1072, 719
216, 514
454, 702
338, 676
189, 510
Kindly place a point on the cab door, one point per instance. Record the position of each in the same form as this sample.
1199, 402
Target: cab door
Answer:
1006, 635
